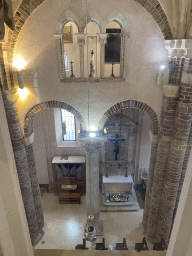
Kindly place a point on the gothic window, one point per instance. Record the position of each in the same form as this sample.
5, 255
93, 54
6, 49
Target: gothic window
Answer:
113, 49
68, 126
71, 49
92, 50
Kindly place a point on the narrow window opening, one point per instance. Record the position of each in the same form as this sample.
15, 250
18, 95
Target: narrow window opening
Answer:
68, 126
66, 58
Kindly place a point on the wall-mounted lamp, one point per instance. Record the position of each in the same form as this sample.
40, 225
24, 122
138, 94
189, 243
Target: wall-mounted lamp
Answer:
161, 73
20, 64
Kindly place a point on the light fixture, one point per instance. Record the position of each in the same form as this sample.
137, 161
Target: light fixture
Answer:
160, 76
162, 67
92, 134
23, 93
92, 128
19, 63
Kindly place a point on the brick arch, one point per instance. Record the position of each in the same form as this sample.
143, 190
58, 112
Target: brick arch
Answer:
26, 8
28, 122
132, 104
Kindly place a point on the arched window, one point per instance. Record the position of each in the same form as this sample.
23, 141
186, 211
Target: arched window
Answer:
71, 49
92, 50
68, 125
113, 50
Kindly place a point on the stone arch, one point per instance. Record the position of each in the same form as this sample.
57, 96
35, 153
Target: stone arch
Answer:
66, 17
92, 16
28, 121
115, 16
132, 104
26, 8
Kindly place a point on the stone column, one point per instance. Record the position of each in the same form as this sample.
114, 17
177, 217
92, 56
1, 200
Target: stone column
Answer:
14, 235
167, 122
34, 180
60, 46
130, 150
103, 40
154, 141
124, 38
92, 147
184, 168
21, 162
178, 148
81, 42
3, 72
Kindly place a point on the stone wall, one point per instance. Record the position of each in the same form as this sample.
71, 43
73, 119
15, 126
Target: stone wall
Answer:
173, 149
27, 176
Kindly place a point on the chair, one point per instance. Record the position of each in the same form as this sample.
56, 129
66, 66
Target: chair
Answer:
141, 246
81, 246
121, 246
101, 246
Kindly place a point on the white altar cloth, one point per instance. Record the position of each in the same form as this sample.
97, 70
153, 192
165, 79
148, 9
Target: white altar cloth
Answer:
117, 184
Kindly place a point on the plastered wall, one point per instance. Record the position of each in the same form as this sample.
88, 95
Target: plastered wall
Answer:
48, 142
144, 53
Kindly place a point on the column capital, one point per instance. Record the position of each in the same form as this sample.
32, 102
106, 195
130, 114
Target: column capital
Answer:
171, 90
10, 95
29, 140
103, 38
91, 144
179, 48
80, 39
153, 137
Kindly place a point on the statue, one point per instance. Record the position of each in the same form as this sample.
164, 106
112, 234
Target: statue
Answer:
6, 15
92, 65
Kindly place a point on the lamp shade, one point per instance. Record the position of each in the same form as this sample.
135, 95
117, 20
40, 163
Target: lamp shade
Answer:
20, 79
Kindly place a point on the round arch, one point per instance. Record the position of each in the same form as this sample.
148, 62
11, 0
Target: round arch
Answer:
132, 104
28, 121
65, 22
92, 20
25, 9
117, 17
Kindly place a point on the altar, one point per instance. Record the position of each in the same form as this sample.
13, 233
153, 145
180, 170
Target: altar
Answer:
118, 194
117, 184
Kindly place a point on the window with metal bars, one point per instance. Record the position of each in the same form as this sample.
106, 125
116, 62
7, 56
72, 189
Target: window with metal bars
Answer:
68, 126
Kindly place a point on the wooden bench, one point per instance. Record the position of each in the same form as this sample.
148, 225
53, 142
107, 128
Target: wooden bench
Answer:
65, 198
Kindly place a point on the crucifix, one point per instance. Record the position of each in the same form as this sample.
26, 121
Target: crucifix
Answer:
117, 142
72, 70
112, 75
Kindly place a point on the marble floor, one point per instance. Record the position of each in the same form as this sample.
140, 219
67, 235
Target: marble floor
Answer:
64, 225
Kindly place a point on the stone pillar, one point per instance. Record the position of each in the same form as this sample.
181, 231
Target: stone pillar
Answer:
92, 147
60, 46
14, 235
124, 38
184, 168
21, 162
179, 141
3, 72
167, 122
180, 240
154, 141
81, 42
103, 40
34, 180
130, 160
